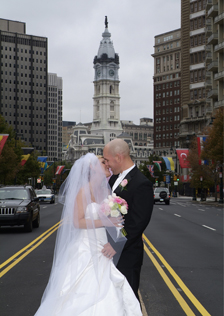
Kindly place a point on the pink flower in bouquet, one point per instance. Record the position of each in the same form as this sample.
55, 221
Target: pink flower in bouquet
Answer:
118, 200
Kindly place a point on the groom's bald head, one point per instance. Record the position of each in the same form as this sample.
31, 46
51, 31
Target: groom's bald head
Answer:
118, 146
117, 155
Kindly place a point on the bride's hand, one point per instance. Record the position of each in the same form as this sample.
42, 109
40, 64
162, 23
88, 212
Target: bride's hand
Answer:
108, 251
117, 221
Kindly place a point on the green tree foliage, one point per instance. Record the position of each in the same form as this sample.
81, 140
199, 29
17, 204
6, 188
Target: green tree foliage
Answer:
11, 170
49, 174
198, 171
213, 146
8, 163
31, 169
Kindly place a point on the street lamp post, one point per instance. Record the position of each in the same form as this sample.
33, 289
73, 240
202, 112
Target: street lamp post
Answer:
175, 186
221, 187
201, 179
54, 184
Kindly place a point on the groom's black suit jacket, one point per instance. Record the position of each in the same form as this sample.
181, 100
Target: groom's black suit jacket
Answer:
139, 195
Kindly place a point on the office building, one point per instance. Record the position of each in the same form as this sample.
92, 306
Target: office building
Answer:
167, 98
196, 109
23, 77
215, 53
54, 117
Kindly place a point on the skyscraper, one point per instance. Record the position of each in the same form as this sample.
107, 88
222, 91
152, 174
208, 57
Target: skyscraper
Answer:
215, 53
196, 109
54, 116
167, 99
23, 77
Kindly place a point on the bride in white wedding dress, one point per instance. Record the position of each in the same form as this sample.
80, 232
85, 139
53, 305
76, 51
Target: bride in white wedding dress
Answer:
84, 280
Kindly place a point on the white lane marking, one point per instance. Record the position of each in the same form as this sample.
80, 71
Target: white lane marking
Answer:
200, 209
177, 215
44, 206
182, 204
161, 209
208, 227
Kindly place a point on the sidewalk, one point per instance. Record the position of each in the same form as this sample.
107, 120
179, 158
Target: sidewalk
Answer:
209, 200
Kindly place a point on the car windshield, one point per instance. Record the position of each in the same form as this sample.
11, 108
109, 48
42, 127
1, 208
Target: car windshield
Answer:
161, 189
13, 194
40, 192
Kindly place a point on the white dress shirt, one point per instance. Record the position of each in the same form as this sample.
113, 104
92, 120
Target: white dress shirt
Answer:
121, 177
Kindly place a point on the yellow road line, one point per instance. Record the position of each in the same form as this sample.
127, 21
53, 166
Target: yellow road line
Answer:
192, 298
56, 226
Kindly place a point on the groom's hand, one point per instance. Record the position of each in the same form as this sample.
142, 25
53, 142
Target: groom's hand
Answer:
108, 251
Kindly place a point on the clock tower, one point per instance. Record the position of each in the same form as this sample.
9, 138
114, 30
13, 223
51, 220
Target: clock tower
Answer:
106, 99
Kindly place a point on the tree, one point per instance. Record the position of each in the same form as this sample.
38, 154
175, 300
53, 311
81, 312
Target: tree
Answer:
11, 154
8, 163
157, 173
197, 171
11, 170
49, 173
213, 146
31, 169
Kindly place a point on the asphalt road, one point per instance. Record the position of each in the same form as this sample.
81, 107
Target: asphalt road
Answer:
183, 264
190, 238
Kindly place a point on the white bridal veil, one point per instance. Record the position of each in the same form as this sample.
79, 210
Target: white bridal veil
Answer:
82, 195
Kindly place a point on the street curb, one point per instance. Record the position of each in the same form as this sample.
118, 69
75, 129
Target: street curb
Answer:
144, 312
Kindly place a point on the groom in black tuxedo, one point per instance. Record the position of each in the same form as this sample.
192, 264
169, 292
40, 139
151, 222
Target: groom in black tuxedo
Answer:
130, 184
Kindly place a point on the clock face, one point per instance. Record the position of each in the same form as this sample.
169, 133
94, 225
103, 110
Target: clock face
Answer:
111, 72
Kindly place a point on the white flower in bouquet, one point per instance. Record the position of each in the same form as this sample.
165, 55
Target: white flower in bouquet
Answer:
123, 210
114, 213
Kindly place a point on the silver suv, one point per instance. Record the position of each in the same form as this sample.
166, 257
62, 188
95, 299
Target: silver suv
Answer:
162, 195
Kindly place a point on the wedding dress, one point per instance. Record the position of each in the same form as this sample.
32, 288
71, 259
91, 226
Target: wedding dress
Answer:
119, 299
84, 282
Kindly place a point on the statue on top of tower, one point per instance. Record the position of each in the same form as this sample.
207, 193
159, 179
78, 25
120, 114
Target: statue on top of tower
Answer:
106, 22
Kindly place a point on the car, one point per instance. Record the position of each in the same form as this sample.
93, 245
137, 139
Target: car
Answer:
19, 205
45, 195
162, 195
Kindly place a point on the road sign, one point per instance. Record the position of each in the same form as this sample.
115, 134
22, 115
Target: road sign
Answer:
39, 180
167, 179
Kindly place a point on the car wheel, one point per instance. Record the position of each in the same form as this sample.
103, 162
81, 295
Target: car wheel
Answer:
163, 195
29, 225
36, 222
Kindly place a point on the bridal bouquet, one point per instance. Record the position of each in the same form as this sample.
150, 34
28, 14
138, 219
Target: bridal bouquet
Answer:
114, 206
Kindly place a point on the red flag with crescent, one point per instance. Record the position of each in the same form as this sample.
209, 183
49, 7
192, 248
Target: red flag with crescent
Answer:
182, 155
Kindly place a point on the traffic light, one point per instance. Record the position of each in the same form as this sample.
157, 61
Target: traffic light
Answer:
178, 178
164, 178
175, 178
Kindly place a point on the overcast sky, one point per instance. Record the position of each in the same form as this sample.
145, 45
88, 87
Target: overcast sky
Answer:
74, 30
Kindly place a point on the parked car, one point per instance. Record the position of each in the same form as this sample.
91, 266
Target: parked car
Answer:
19, 205
45, 195
162, 195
